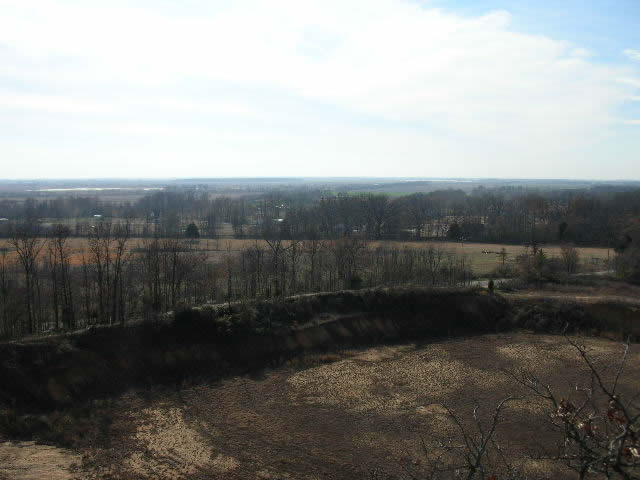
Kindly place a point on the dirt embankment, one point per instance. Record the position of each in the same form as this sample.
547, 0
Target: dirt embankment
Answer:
71, 372
67, 390
46, 374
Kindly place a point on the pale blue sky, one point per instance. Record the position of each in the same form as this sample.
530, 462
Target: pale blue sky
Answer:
468, 88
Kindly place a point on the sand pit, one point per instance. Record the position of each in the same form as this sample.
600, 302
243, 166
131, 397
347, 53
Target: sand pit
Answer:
367, 410
28, 461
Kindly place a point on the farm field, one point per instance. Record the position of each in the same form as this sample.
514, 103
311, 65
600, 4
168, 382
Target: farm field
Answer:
484, 263
484, 256
330, 416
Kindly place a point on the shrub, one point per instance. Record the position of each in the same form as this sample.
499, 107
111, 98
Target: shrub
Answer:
192, 231
627, 265
355, 282
570, 258
538, 267
507, 270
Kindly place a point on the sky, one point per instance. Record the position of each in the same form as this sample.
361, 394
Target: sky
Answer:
384, 88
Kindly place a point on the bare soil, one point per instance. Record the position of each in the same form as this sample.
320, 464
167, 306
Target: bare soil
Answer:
332, 416
28, 461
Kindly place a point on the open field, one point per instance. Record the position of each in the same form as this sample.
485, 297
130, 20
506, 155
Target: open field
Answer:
483, 263
600, 291
333, 416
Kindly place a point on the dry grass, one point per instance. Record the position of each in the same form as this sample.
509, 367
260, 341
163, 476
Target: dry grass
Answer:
386, 385
602, 290
166, 446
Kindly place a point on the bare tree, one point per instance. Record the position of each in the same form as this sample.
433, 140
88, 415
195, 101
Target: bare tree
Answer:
600, 428
378, 211
7, 328
570, 258
54, 266
151, 274
60, 261
121, 237
274, 236
598, 432
294, 254
312, 248
475, 454
503, 255
28, 245
434, 260
229, 265
347, 253
100, 249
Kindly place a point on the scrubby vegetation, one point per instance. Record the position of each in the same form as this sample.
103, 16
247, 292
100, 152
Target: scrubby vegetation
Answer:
628, 263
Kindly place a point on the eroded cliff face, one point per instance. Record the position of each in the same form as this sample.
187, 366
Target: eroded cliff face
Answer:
58, 372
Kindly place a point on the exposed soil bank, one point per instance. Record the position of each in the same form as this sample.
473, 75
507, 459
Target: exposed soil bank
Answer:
59, 372
50, 373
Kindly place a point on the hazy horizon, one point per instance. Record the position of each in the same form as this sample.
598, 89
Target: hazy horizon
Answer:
311, 179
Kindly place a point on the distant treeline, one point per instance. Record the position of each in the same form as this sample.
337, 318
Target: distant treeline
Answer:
597, 216
141, 260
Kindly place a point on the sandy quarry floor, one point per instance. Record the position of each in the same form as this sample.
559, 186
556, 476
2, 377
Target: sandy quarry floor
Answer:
28, 461
315, 420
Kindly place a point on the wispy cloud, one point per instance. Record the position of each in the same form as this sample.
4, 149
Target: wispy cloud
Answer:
634, 82
53, 104
633, 54
352, 78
